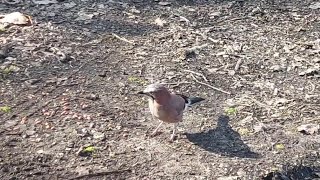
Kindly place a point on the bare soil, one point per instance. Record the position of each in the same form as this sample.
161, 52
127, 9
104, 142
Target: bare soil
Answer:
69, 82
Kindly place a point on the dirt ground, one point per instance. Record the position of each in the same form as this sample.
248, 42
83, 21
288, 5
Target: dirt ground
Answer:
68, 84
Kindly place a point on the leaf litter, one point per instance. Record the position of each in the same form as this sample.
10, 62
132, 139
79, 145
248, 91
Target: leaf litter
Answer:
245, 55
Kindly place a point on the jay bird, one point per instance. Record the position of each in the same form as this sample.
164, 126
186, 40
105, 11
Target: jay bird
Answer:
167, 107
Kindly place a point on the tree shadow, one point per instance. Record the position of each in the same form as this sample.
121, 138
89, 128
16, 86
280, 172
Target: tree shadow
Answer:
222, 140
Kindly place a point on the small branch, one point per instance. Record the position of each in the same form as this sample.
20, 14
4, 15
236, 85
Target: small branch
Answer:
197, 47
102, 173
176, 83
237, 66
215, 88
122, 39
197, 73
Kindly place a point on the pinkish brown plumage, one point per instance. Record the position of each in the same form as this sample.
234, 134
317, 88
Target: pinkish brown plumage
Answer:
165, 106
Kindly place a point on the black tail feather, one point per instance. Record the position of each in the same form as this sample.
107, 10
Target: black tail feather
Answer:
191, 100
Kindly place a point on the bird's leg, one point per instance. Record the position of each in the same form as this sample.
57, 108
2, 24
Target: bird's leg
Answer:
174, 131
156, 130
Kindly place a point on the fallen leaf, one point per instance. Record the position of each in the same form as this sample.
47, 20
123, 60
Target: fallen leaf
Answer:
69, 5
163, 3
159, 22
246, 120
44, 2
99, 135
309, 128
82, 16
16, 18
315, 5
309, 72
243, 131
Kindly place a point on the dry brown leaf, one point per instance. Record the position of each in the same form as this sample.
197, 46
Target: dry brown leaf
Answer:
16, 18
159, 22
309, 128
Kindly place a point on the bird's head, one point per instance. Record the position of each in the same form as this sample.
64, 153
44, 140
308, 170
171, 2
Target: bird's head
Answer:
154, 91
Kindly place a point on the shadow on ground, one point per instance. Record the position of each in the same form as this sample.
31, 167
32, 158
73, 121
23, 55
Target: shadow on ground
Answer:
222, 140
294, 172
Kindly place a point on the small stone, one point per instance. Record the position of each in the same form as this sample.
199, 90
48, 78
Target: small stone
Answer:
92, 97
103, 74
70, 144
99, 135
30, 132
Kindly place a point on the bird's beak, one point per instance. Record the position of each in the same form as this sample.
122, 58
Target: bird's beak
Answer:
141, 92
147, 94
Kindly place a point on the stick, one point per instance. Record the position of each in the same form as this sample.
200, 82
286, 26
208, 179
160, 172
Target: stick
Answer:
176, 83
217, 89
199, 74
102, 173
122, 39
239, 62
197, 47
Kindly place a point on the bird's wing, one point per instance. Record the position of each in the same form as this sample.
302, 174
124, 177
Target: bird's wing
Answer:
178, 103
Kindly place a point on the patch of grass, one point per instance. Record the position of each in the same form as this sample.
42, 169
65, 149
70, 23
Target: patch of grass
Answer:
137, 80
9, 69
231, 111
5, 109
279, 147
89, 149
2, 30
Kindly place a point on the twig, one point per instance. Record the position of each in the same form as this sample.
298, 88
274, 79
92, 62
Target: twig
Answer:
102, 173
197, 47
215, 88
122, 39
237, 66
176, 83
197, 73
184, 19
